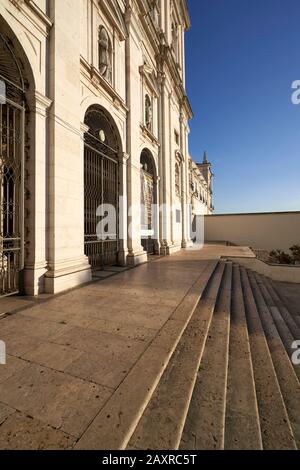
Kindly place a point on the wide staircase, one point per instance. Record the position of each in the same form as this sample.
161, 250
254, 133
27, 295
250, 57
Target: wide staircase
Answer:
229, 383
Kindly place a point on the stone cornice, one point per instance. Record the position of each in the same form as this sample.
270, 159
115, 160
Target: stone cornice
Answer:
186, 14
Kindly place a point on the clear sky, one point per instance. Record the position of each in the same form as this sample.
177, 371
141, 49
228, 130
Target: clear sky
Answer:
242, 57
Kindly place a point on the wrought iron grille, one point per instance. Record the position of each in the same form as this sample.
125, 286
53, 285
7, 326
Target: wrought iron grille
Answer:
11, 197
100, 187
147, 200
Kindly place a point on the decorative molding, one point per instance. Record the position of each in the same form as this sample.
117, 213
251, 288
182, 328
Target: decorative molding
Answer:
147, 74
125, 157
179, 156
83, 128
96, 79
35, 98
17, 3
115, 15
149, 135
33, 6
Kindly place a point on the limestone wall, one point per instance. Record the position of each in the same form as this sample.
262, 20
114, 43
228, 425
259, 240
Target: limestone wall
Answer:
275, 230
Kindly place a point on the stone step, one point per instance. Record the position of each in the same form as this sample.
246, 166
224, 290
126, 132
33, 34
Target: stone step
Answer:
242, 428
280, 319
293, 322
285, 373
204, 427
113, 427
282, 300
161, 425
275, 426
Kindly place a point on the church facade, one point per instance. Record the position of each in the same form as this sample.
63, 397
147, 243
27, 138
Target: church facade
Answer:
95, 165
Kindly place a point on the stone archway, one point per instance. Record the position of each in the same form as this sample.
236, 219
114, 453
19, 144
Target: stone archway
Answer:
14, 116
149, 238
102, 149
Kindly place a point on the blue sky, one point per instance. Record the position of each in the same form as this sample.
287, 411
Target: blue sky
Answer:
242, 57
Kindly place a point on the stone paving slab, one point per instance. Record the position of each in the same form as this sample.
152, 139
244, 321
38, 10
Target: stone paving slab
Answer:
13, 365
20, 432
7, 304
110, 346
56, 357
60, 400
5, 412
95, 367
18, 343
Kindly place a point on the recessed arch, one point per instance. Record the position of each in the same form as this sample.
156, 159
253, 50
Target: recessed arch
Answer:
14, 59
16, 79
147, 159
102, 130
102, 150
90, 102
148, 201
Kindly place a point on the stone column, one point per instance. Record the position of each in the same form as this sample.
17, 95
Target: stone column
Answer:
35, 195
136, 253
156, 214
188, 221
165, 159
183, 182
123, 209
68, 266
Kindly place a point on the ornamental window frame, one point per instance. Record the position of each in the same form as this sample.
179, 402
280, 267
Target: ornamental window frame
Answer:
105, 54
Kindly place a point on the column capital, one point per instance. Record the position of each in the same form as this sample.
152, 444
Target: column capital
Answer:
83, 128
37, 99
124, 157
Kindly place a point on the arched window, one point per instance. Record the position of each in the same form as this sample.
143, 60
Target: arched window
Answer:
105, 55
148, 112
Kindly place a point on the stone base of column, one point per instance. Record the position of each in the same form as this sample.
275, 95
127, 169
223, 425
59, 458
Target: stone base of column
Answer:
33, 278
67, 274
136, 258
166, 250
187, 244
122, 257
157, 248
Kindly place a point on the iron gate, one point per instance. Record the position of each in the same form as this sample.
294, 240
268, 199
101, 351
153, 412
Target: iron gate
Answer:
147, 200
101, 183
11, 196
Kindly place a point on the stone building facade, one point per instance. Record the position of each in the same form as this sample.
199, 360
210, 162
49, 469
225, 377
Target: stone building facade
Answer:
94, 112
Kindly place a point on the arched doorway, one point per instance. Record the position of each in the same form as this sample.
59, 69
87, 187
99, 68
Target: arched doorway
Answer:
12, 117
148, 201
101, 188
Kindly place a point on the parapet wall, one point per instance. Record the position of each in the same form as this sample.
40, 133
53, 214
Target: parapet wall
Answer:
266, 231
